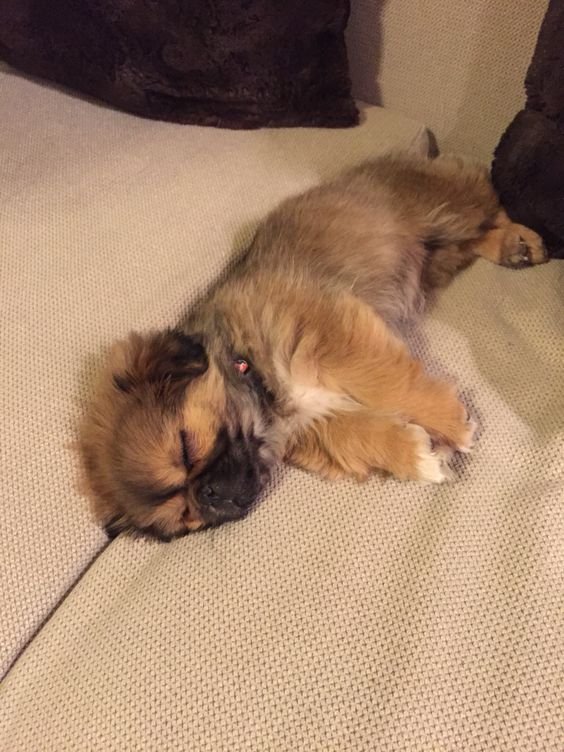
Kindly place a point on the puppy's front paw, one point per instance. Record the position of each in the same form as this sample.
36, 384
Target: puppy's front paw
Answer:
522, 247
430, 462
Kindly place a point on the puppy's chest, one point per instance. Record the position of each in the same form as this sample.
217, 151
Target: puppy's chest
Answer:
310, 403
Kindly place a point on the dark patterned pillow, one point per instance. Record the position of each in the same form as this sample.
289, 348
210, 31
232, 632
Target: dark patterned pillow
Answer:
240, 64
528, 168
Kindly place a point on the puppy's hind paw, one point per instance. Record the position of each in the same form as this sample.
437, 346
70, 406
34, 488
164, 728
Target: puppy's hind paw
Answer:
522, 247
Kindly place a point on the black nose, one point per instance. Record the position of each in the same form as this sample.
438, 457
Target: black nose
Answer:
210, 492
232, 480
221, 490
229, 483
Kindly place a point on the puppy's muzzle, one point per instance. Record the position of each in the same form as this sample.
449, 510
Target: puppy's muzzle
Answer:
228, 488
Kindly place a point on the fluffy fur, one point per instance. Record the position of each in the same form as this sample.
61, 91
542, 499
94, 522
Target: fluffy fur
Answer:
296, 356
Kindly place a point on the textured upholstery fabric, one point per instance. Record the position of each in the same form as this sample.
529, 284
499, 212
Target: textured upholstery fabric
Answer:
238, 65
457, 65
109, 222
385, 616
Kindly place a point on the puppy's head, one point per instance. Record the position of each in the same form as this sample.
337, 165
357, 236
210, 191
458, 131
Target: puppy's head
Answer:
176, 437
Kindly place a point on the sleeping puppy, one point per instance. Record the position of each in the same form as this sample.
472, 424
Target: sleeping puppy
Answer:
295, 355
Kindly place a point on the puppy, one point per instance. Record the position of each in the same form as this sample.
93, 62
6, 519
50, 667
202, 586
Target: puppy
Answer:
295, 355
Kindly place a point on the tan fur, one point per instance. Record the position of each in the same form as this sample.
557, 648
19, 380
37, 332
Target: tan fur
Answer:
313, 307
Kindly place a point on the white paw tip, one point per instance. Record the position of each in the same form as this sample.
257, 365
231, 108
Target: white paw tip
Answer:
431, 466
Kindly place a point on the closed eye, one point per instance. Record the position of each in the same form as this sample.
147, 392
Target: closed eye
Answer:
188, 464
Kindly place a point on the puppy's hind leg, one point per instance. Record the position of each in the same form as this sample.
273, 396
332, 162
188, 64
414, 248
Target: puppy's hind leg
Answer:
444, 263
455, 207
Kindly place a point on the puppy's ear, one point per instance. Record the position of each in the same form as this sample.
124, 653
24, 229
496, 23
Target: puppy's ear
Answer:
174, 356
168, 359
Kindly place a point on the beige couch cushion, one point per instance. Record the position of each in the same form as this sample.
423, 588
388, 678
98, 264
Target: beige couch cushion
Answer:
108, 223
382, 616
